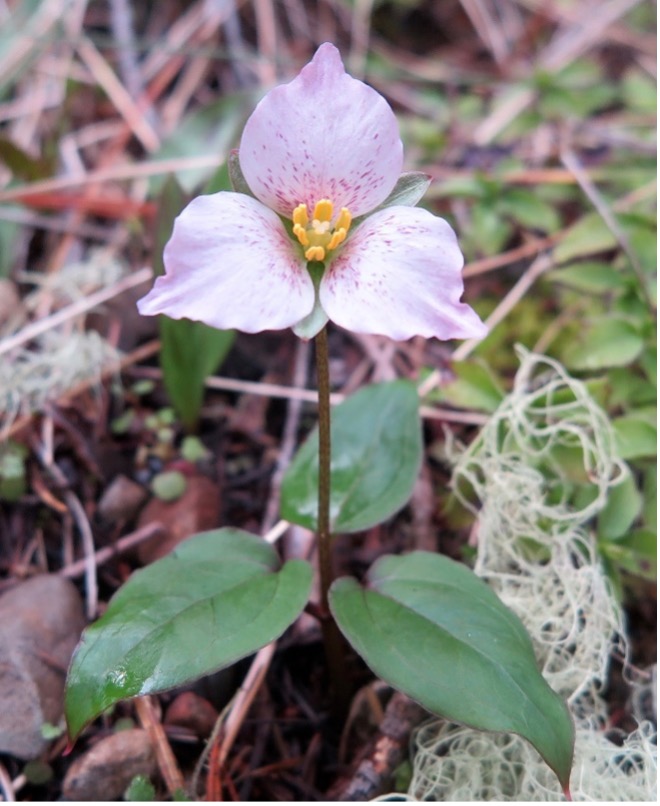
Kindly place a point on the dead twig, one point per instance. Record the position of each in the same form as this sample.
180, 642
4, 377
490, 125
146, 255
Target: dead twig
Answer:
146, 713
374, 772
124, 544
81, 306
572, 163
44, 453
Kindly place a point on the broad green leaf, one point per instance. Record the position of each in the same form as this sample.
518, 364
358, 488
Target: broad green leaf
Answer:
589, 235
624, 504
525, 207
590, 276
376, 455
650, 494
489, 230
639, 91
635, 436
473, 387
629, 388
606, 343
190, 351
218, 597
649, 363
432, 629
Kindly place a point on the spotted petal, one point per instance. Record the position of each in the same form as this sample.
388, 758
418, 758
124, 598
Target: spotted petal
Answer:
399, 275
323, 135
231, 264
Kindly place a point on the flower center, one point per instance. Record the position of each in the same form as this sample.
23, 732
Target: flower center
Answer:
319, 235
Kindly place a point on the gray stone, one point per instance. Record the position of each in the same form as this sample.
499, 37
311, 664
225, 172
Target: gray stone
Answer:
40, 624
105, 770
121, 499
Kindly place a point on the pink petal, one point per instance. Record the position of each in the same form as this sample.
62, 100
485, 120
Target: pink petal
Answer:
325, 135
399, 275
231, 264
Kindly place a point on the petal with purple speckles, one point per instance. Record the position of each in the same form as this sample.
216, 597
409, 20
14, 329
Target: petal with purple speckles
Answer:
399, 275
323, 135
231, 264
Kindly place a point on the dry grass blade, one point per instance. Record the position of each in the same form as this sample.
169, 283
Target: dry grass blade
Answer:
75, 309
566, 46
118, 94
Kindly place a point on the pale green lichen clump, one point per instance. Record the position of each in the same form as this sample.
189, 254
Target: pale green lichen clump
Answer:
535, 550
42, 369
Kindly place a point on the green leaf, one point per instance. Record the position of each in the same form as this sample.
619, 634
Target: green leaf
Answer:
20, 163
474, 387
590, 276
635, 436
624, 504
636, 553
650, 496
13, 480
432, 629
606, 343
140, 789
489, 230
237, 182
169, 485
190, 351
38, 773
220, 596
525, 207
589, 235
408, 191
376, 456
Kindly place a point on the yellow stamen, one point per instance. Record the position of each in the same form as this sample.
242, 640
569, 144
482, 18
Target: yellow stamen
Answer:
300, 216
319, 236
315, 253
323, 210
338, 236
301, 234
344, 219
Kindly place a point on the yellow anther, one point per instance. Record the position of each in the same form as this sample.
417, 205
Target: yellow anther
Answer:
338, 236
319, 236
301, 234
343, 220
315, 253
323, 210
300, 216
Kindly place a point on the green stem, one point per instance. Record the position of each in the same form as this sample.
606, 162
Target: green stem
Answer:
332, 638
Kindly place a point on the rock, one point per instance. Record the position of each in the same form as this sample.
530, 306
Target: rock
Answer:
191, 711
121, 499
40, 624
197, 510
105, 770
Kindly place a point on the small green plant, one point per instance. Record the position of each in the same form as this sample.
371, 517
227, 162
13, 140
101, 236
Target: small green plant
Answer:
279, 252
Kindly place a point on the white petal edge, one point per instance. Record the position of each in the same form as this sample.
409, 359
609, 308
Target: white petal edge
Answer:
323, 135
399, 275
231, 264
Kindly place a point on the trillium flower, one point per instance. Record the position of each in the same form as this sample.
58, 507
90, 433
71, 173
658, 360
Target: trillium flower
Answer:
328, 231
